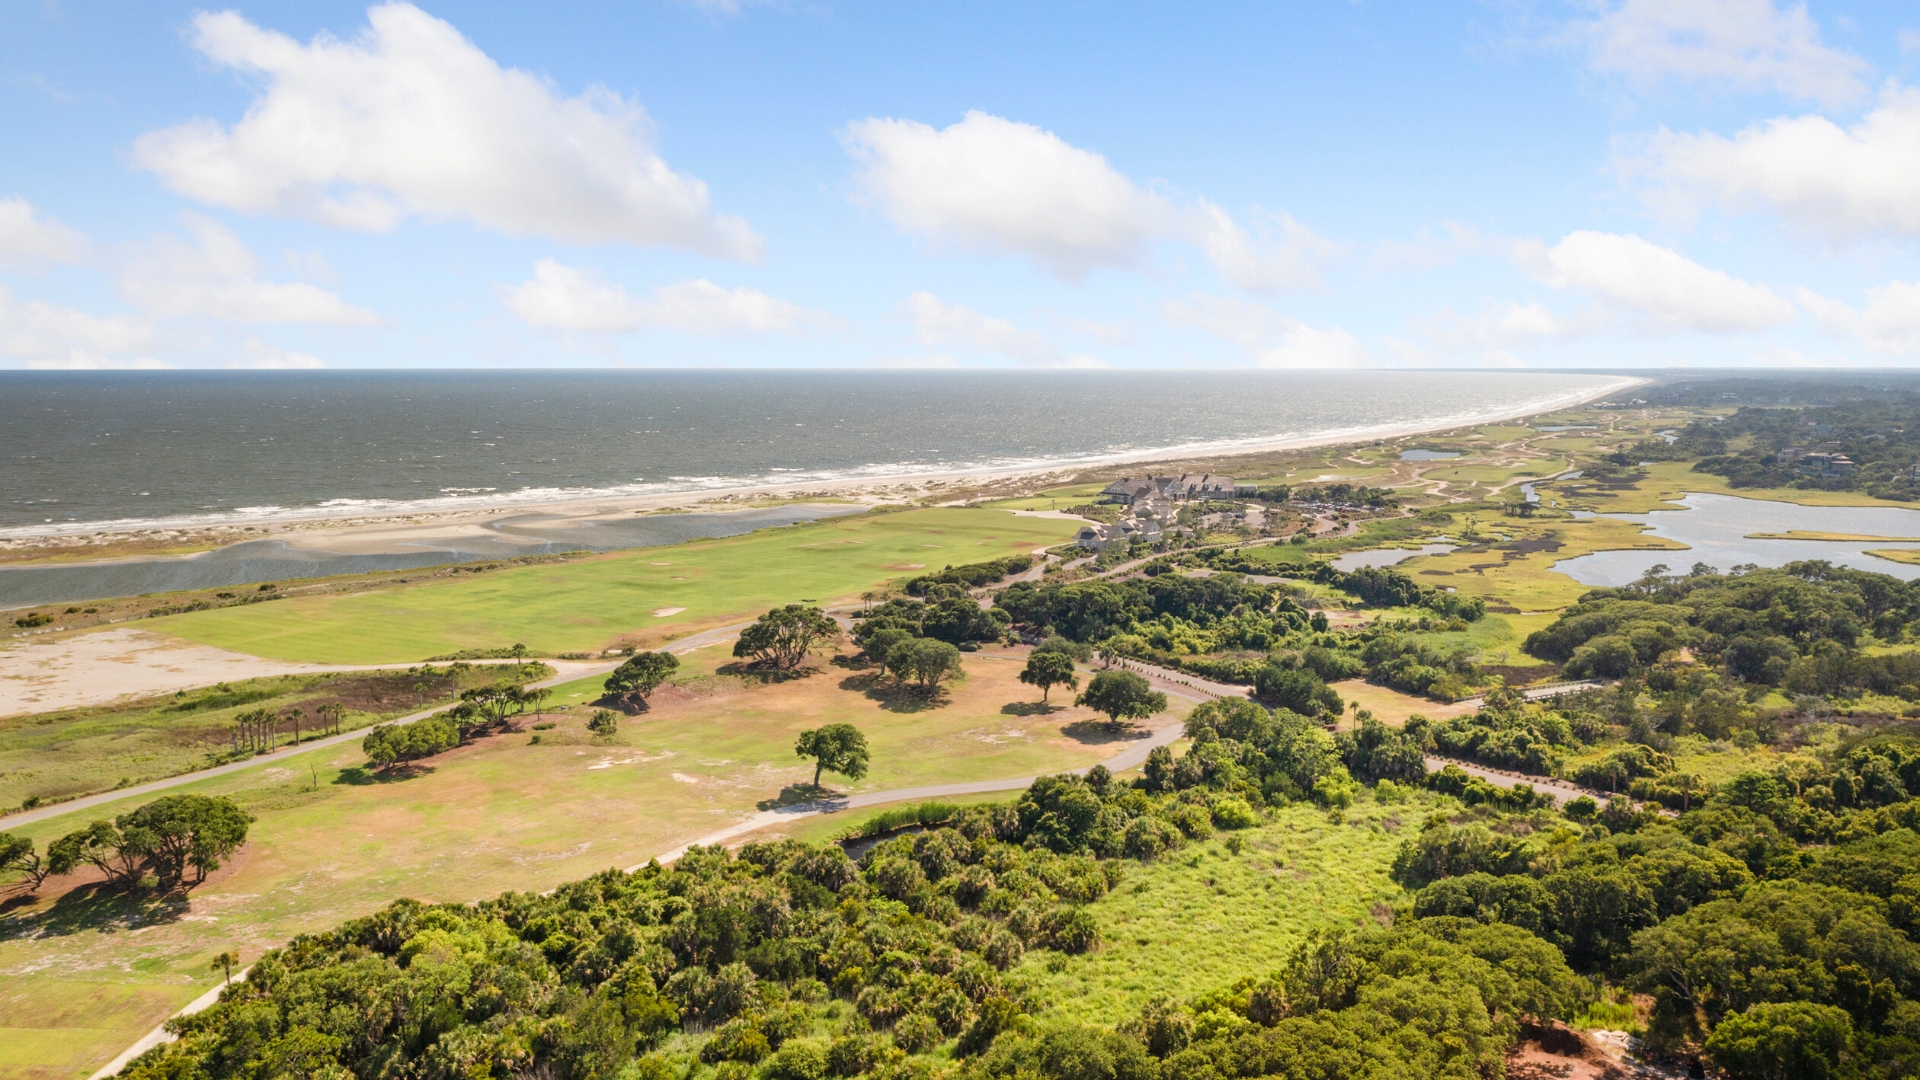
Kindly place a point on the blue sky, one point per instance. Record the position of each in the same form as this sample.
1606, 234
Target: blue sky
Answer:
1617, 183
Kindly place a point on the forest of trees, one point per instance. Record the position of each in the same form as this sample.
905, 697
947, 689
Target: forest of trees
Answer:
1768, 921
1881, 435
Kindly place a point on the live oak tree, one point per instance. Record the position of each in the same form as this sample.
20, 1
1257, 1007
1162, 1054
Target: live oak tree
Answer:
632, 681
496, 701
837, 748
165, 838
1049, 669
924, 661
783, 637
882, 642
389, 744
1123, 696
17, 856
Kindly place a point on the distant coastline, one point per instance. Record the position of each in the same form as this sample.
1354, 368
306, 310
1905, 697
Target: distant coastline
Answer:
366, 527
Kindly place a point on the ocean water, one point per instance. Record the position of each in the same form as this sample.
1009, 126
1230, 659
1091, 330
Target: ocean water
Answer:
85, 450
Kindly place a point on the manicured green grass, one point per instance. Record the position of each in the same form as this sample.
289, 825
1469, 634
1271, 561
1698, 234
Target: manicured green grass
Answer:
1203, 917
1051, 499
74, 752
589, 604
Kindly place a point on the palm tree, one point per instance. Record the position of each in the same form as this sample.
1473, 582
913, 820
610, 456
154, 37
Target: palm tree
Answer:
538, 695
224, 962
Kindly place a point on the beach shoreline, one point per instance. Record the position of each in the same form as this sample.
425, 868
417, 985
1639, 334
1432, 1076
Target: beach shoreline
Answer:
402, 529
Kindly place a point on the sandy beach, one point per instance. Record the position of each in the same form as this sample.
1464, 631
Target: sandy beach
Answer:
403, 530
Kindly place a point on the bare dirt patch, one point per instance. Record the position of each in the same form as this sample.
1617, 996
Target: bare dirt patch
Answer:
111, 665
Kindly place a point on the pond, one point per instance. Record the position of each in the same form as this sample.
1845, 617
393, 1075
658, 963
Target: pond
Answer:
1717, 530
1354, 560
258, 561
1428, 455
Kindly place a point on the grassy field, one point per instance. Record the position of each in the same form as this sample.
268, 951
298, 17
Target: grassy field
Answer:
644, 596
74, 752
84, 975
1204, 916
1390, 706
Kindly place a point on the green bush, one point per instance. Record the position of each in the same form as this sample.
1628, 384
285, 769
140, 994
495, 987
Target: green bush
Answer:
1232, 812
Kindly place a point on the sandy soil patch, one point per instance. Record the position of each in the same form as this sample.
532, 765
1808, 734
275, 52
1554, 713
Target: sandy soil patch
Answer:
661, 613
109, 665
93, 669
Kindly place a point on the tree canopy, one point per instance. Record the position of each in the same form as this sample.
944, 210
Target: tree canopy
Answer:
1047, 669
783, 637
837, 748
924, 661
639, 675
165, 839
1123, 696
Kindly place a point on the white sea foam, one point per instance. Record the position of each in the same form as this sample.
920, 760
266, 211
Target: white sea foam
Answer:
472, 498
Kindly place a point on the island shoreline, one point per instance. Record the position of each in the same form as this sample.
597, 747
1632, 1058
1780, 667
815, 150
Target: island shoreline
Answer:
401, 530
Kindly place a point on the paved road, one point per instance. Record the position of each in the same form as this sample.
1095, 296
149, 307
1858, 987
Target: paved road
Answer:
574, 670
1562, 792
1132, 757
1540, 693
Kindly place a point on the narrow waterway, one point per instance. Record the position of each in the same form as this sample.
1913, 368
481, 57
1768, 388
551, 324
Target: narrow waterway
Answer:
1718, 531
258, 561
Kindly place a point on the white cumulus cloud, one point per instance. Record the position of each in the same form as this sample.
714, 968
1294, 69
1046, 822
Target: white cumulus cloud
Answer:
992, 184
939, 323
1742, 45
1888, 323
46, 335
1240, 321
999, 186
29, 236
1657, 285
215, 275
560, 297
1269, 337
1303, 346
264, 357
936, 322
1845, 181
410, 118
1282, 255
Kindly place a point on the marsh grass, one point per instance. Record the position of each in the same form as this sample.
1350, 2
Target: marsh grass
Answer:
1203, 916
